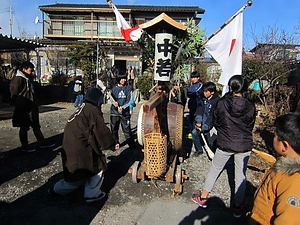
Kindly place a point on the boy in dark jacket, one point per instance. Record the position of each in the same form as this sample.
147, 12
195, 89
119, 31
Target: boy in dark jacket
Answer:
204, 116
194, 92
85, 136
26, 113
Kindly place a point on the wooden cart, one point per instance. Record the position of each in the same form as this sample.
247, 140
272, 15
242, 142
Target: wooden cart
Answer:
160, 127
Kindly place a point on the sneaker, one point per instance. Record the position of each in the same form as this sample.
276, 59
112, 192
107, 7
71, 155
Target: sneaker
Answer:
200, 201
236, 211
47, 145
94, 199
197, 153
190, 136
27, 149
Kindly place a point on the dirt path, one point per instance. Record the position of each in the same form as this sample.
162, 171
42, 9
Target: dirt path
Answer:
25, 179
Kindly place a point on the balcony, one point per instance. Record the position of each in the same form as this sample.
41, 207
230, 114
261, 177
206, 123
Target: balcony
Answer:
81, 29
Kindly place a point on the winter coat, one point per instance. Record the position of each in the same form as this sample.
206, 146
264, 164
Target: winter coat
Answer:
194, 92
204, 112
22, 95
85, 136
234, 119
121, 94
277, 199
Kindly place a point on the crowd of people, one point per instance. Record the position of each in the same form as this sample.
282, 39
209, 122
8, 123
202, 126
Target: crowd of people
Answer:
225, 123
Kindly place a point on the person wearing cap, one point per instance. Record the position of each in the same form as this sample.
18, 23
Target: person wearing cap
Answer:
120, 110
86, 136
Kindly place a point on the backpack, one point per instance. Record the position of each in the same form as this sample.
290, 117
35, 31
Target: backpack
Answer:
77, 86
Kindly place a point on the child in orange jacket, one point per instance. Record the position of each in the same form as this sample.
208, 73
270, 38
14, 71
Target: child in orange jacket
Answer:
277, 199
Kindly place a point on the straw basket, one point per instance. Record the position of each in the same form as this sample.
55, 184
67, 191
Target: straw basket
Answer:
155, 151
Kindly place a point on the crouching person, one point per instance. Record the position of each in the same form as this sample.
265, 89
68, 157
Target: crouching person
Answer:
85, 137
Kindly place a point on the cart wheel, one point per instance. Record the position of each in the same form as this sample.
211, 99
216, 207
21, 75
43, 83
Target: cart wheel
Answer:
175, 124
140, 126
134, 173
178, 175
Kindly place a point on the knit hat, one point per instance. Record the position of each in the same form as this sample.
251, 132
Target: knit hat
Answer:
94, 96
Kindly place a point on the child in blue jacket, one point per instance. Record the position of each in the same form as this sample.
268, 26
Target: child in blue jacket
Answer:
194, 92
204, 116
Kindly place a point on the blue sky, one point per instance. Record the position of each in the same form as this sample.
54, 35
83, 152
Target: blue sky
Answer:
283, 14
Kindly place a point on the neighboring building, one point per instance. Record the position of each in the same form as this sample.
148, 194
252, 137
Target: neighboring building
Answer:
287, 53
277, 51
65, 24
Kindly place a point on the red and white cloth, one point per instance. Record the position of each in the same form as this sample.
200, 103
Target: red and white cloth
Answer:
226, 47
129, 33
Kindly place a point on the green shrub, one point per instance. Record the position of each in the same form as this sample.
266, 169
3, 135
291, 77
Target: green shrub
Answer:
144, 84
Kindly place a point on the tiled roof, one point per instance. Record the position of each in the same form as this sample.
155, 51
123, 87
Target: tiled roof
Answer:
153, 8
9, 44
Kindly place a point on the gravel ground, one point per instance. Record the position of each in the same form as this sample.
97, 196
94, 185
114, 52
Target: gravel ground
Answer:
26, 177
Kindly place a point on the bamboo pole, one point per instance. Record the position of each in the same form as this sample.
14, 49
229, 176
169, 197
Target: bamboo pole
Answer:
249, 3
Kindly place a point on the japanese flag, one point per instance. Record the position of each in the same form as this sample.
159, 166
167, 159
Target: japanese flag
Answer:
129, 33
226, 48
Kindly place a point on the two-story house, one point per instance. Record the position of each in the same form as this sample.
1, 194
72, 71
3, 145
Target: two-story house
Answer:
278, 52
283, 53
65, 24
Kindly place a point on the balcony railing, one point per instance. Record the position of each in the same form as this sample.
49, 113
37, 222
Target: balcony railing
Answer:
82, 29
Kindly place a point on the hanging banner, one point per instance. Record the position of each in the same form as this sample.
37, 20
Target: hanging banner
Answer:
163, 56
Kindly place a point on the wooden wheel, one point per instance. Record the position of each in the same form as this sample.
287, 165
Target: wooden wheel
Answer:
178, 175
140, 126
135, 168
175, 124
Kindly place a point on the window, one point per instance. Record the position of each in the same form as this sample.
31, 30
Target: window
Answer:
68, 28
73, 27
78, 28
108, 29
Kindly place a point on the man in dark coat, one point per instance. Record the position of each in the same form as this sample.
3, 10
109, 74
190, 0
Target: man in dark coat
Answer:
85, 136
26, 113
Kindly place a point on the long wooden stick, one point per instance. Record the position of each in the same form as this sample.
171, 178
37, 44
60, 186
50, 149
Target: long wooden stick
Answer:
249, 3
155, 86
206, 147
267, 157
104, 90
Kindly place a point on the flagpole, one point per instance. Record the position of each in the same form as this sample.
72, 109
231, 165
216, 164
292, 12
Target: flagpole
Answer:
249, 3
109, 2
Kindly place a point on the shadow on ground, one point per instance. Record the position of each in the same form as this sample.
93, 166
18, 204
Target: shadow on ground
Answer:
6, 112
39, 208
211, 215
15, 162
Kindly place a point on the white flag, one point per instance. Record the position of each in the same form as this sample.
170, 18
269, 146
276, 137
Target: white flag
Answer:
226, 47
129, 34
